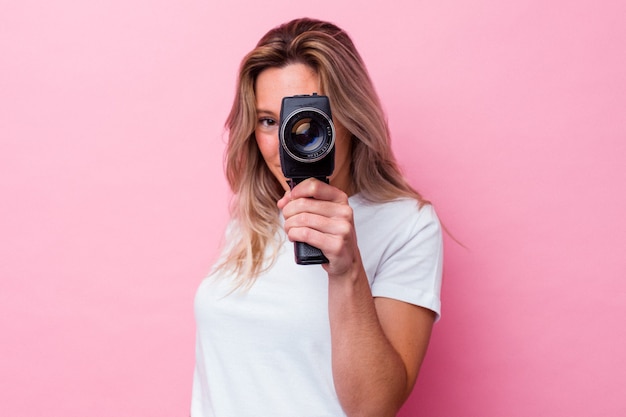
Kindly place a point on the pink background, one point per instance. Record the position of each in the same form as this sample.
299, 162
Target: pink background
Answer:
509, 116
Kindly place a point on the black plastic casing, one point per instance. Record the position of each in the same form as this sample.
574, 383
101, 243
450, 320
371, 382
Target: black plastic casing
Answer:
298, 165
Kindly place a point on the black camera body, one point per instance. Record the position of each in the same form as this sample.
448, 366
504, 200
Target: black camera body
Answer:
307, 138
307, 150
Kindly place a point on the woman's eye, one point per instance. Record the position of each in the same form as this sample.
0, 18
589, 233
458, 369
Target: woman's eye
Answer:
266, 122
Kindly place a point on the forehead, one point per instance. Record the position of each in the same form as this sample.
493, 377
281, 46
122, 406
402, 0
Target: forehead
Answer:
274, 83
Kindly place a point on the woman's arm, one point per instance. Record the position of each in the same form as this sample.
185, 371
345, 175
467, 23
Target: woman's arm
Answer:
378, 344
378, 347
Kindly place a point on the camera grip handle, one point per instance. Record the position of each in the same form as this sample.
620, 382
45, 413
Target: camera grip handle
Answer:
306, 254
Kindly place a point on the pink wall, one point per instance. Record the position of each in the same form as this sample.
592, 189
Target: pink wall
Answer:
509, 117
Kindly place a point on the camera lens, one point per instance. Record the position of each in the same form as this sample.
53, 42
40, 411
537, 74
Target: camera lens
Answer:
307, 135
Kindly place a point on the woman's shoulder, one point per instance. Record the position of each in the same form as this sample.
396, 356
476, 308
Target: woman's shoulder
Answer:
399, 209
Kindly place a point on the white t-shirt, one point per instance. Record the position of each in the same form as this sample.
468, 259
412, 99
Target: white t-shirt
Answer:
266, 351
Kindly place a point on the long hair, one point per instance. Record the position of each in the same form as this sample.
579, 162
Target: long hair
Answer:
329, 51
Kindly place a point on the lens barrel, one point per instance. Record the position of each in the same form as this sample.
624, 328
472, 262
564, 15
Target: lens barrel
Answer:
307, 134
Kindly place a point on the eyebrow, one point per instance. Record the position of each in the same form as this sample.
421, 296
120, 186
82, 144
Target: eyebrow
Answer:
266, 112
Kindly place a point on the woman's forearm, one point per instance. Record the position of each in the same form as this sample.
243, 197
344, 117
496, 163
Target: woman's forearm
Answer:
370, 376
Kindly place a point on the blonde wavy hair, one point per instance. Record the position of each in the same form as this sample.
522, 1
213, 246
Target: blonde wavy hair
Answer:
344, 79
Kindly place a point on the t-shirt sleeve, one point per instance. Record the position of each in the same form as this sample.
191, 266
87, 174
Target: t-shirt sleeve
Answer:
412, 265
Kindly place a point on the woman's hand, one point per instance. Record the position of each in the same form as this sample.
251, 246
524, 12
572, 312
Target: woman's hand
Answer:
318, 214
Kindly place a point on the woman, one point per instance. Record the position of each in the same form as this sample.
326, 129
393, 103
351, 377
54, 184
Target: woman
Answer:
344, 338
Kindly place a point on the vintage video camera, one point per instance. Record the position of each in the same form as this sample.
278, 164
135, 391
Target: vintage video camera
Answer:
307, 149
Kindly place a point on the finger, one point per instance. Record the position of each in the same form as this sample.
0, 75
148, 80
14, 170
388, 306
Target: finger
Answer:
319, 222
330, 244
314, 188
328, 209
334, 238
286, 198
